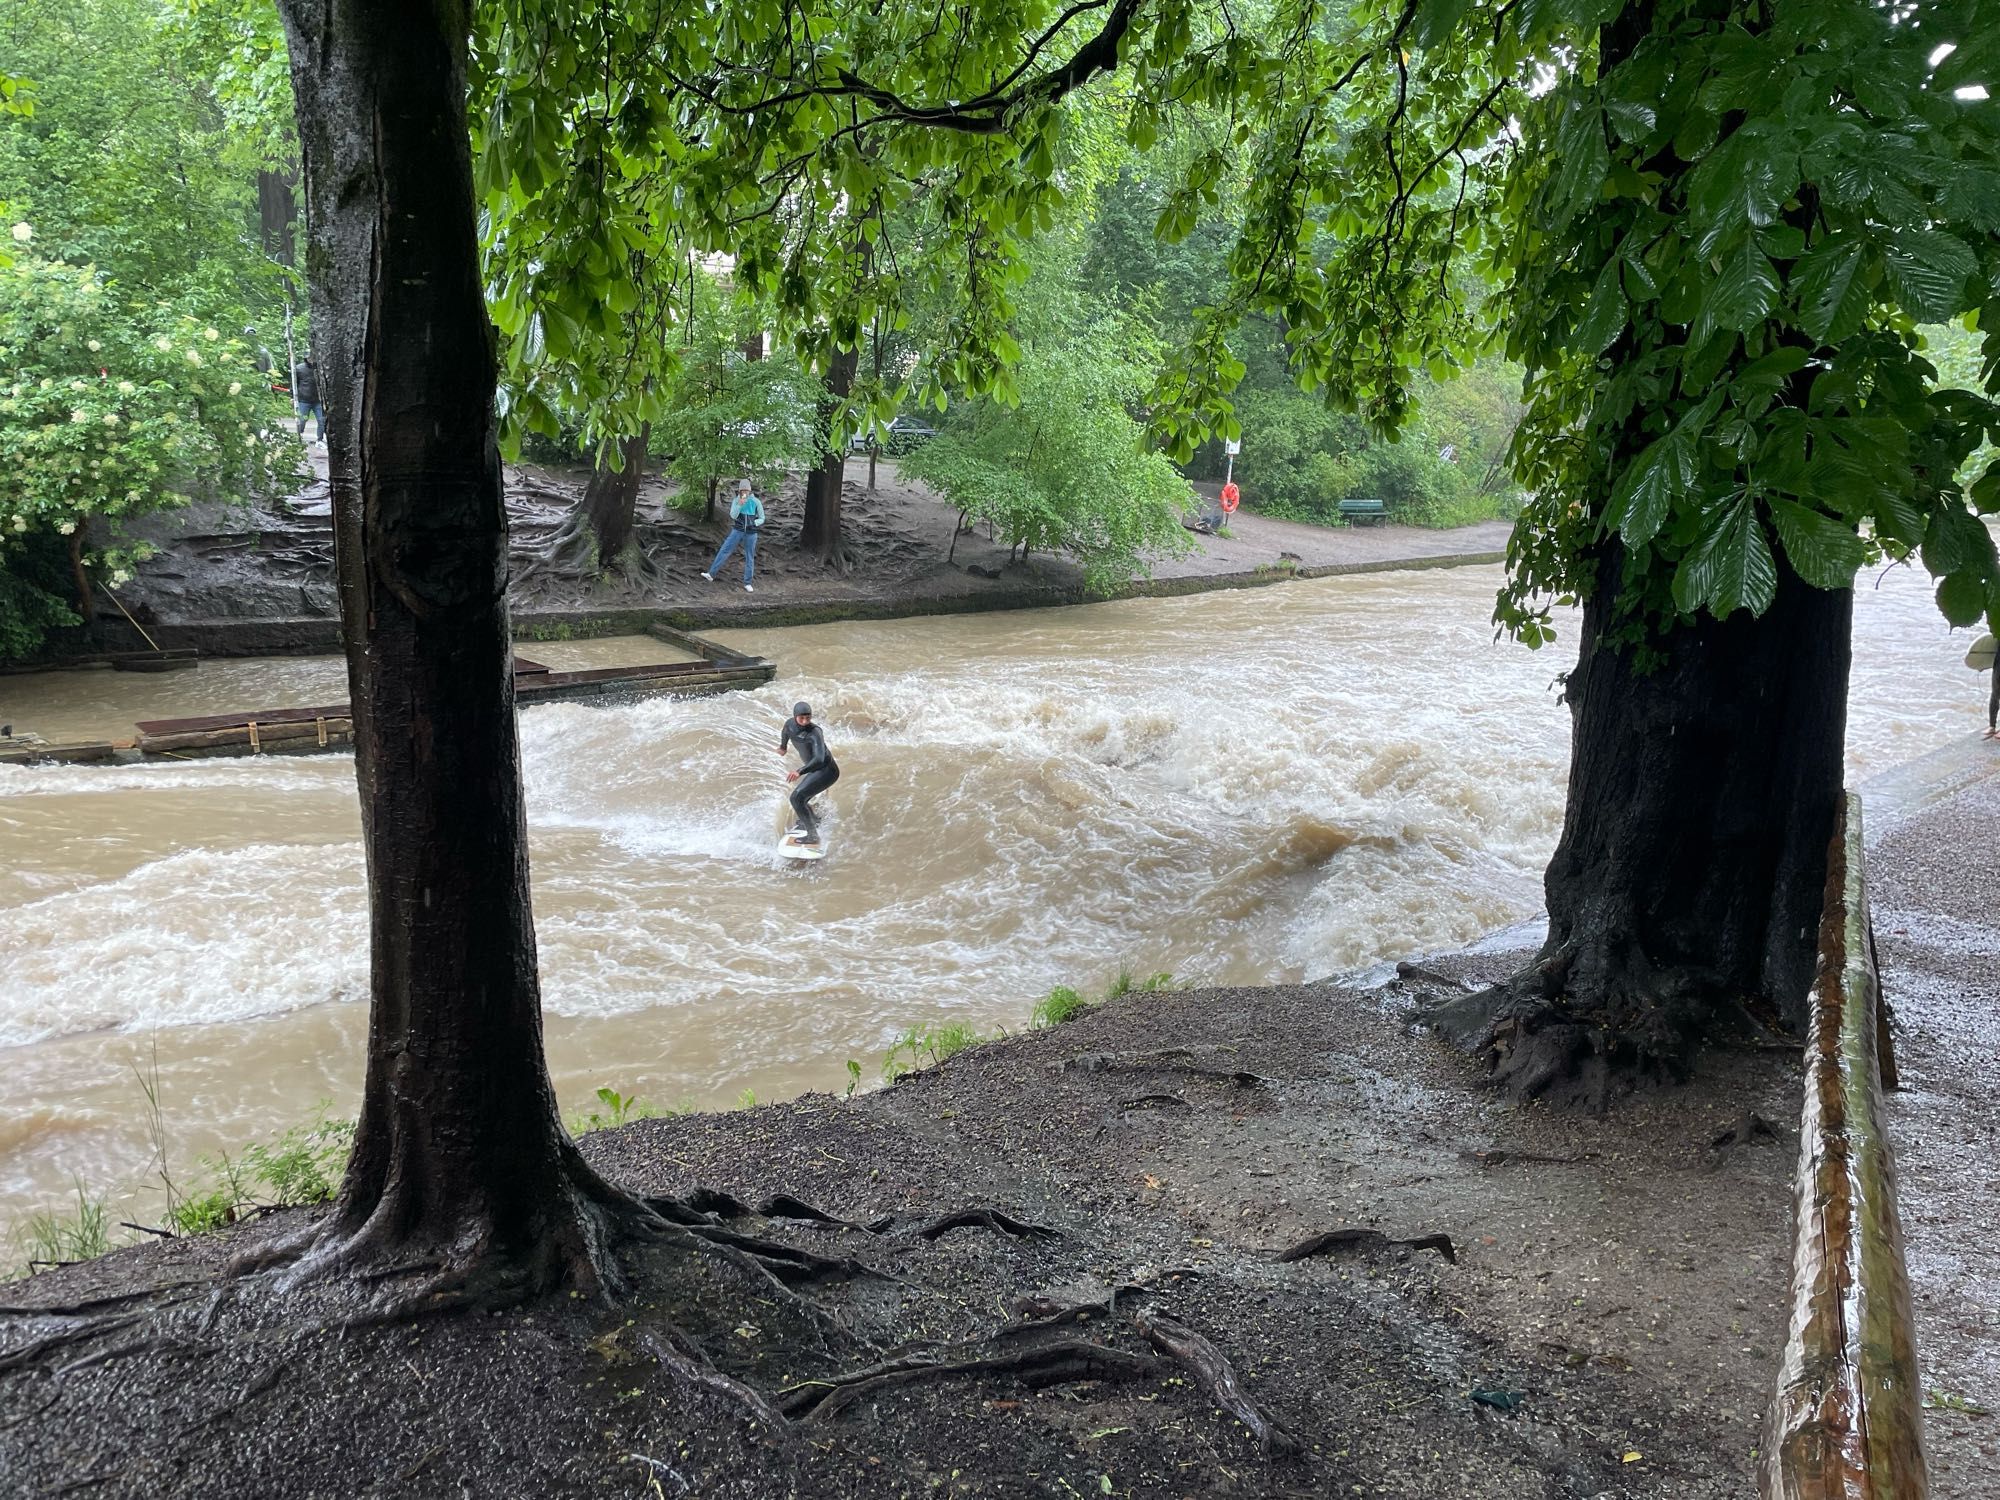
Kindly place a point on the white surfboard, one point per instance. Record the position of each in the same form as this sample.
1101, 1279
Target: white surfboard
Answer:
1980, 657
791, 848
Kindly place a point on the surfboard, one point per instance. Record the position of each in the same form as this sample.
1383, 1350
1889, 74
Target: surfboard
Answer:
1980, 657
790, 848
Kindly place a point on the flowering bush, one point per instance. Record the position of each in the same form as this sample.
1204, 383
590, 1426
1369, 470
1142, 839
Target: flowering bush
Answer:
111, 407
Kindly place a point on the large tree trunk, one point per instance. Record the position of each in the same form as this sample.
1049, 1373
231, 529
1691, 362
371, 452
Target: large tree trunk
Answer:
460, 1162
1684, 895
611, 499
823, 486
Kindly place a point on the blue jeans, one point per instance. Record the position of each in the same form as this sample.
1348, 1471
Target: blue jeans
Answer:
745, 539
317, 412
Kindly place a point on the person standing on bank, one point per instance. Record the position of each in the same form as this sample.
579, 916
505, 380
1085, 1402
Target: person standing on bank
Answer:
817, 770
746, 519
305, 395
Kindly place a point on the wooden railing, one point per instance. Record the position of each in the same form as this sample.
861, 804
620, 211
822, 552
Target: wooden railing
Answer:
1846, 1422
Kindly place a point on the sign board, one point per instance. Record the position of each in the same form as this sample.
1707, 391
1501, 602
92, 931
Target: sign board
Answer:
1232, 446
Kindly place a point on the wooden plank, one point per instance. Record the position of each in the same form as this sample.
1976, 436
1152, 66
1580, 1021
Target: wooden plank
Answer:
79, 751
1846, 1421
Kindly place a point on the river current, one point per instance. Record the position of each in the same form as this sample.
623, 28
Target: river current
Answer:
1237, 787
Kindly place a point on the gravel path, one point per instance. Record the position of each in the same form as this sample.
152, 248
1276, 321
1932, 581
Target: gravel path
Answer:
1935, 834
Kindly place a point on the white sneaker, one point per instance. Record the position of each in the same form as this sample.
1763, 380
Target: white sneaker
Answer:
708, 578
748, 590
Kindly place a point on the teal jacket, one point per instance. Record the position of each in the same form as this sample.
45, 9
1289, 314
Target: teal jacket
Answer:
747, 514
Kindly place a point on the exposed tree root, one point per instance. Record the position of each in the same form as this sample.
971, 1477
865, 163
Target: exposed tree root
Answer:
1217, 1377
791, 1265
685, 1361
986, 1218
1748, 1127
1173, 1060
35, 1349
1154, 1101
1058, 1363
705, 1204
1341, 1241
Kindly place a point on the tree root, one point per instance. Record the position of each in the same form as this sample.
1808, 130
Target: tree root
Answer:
34, 1349
1173, 1060
1218, 1378
986, 1218
791, 1265
1339, 1241
688, 1364
1154, 1101
705, 1204
1059, 1363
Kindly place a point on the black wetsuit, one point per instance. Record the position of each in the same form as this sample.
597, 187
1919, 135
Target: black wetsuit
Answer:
1993, 697
817, 771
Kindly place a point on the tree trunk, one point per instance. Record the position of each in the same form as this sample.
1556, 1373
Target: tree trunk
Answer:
275, 213
86, 597
1685, 891
460, 1163
822, 529
611, 499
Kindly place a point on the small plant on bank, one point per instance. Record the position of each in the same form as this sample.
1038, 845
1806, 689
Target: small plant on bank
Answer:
618, 1109
1065, 1004
1060, 1004
853, 1077
57, 1237
747, 1099
927, 1046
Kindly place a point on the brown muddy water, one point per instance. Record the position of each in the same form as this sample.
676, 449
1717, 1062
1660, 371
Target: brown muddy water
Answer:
1235, 787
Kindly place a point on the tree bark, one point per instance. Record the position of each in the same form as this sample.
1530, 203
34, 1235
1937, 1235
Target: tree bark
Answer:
1685, 890
823, 487
460, 1162
611, 499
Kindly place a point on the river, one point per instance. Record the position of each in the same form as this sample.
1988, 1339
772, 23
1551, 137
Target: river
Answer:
1265, 785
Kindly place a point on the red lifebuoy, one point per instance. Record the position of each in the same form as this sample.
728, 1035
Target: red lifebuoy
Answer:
1230, 495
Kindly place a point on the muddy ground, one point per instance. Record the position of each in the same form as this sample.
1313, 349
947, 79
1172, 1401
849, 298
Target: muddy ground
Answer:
1604, 1320
275, 560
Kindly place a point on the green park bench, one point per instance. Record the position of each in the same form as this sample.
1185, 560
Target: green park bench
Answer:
1355, 512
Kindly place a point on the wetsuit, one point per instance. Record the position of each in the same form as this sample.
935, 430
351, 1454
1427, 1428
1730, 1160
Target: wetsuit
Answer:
1993, 697
817, 771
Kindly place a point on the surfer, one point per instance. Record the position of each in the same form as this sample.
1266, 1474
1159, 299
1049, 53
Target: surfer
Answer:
1993, 703
817, 770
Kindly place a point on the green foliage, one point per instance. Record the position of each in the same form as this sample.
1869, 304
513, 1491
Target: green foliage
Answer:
1065, 1004
927, 1046
128, 162
616, 1109
1753, 209
112, 406
1064, 469
853, 1076
726, 416
1060, 1004
58, 1236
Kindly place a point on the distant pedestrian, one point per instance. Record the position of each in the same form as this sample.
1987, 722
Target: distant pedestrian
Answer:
1985, 657
305, 395
746, 519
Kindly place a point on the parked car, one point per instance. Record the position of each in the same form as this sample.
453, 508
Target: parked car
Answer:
904, 434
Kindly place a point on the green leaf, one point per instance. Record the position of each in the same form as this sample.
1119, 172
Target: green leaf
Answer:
1435, 20
1742, 296
1742, 183
1832, 292
1604, 315
1730, 567
1582, 161
1822, 551
1961, 597
1929, 270
1649, 486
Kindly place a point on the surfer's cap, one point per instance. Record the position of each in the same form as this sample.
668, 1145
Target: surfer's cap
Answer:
802, 710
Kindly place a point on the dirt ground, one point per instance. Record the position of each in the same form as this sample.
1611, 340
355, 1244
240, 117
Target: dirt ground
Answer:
1603, 1320
1937, 928
276, 561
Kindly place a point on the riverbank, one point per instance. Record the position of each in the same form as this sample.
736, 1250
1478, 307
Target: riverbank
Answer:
1937, 929
1601, 1318
259, 582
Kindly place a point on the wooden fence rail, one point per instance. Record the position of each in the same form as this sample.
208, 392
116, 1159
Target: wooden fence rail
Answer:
1846, 1422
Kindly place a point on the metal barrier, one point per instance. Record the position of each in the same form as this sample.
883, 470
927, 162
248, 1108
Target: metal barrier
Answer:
1846, 1421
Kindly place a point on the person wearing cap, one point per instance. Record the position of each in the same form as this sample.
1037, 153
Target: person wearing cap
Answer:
746, 519
817, 770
